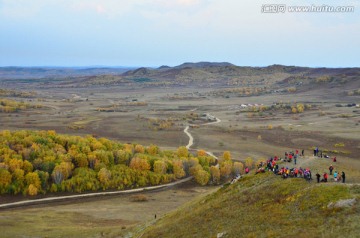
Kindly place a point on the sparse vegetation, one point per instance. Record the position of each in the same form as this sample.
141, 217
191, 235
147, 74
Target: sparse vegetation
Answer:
10, 106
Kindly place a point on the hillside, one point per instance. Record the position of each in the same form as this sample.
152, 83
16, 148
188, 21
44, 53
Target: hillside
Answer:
266, 205
201, 74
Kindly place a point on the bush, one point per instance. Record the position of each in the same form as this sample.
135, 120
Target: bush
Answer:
138, 198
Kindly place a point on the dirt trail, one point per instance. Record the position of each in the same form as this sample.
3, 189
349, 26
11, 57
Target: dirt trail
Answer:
61, 198
191, 138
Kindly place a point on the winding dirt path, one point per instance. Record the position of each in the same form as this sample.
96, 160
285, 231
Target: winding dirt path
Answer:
191, 138
61, 198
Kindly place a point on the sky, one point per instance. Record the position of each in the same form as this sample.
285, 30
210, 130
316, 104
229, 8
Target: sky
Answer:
170, 32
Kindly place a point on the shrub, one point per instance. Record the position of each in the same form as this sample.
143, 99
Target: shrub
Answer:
138, 198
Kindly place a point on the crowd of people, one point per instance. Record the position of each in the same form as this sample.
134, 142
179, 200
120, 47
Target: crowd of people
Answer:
284, 171
294, 172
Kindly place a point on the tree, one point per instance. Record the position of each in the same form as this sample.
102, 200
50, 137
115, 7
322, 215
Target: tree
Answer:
202, 177
104, 177
139, 164
139, 149
201, 153
32, 190
160, 167
15, 164
226, 168
215, 174
61, 172
153, 150
227, 155
182, 152
33, 179
178, 169
5, 180
238, 168
27, 167
300, 107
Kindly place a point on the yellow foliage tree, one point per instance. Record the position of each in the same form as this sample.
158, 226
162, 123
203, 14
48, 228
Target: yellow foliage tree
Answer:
202, 177
15, 164
139, 149
5, 179
153, 150
215, 174
201, 153
178, 169
139, 164
182, 152
33, 179
104, 176
300, 107
238, 168
226, 168
160, 167
227, 155
32, 190
27, 167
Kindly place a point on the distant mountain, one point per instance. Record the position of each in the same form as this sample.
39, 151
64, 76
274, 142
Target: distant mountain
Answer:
203, 74
57, 72
203, 65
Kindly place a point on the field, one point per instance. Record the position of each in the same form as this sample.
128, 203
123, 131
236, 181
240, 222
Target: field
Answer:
258, 123
97, 217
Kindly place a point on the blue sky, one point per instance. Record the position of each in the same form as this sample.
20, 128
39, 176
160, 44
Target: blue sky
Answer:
170, 32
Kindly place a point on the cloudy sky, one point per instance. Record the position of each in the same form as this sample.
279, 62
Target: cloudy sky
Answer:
170, 32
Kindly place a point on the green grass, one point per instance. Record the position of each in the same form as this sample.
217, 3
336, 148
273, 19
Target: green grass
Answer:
265, 205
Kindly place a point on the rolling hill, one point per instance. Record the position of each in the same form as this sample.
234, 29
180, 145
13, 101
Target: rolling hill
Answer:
265, 205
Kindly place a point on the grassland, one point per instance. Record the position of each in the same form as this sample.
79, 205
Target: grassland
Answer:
265, 205
252, 207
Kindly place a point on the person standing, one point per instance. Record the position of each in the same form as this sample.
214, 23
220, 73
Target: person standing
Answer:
318, 177
335, 176
302, 152
343, 176
325, 177
331, 168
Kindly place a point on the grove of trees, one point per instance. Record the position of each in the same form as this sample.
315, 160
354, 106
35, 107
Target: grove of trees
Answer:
38, 162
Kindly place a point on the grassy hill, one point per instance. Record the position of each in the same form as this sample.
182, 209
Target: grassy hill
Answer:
265, 205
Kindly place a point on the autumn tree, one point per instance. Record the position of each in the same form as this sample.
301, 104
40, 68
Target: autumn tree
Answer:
139, 149
5, 180
139, 164
182, 152
178, 169
238, 168
215, 174
300, 107
225, 168
201, 176
160, 167
33, 183
104, 177
201, 153
227, 155
153, 150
